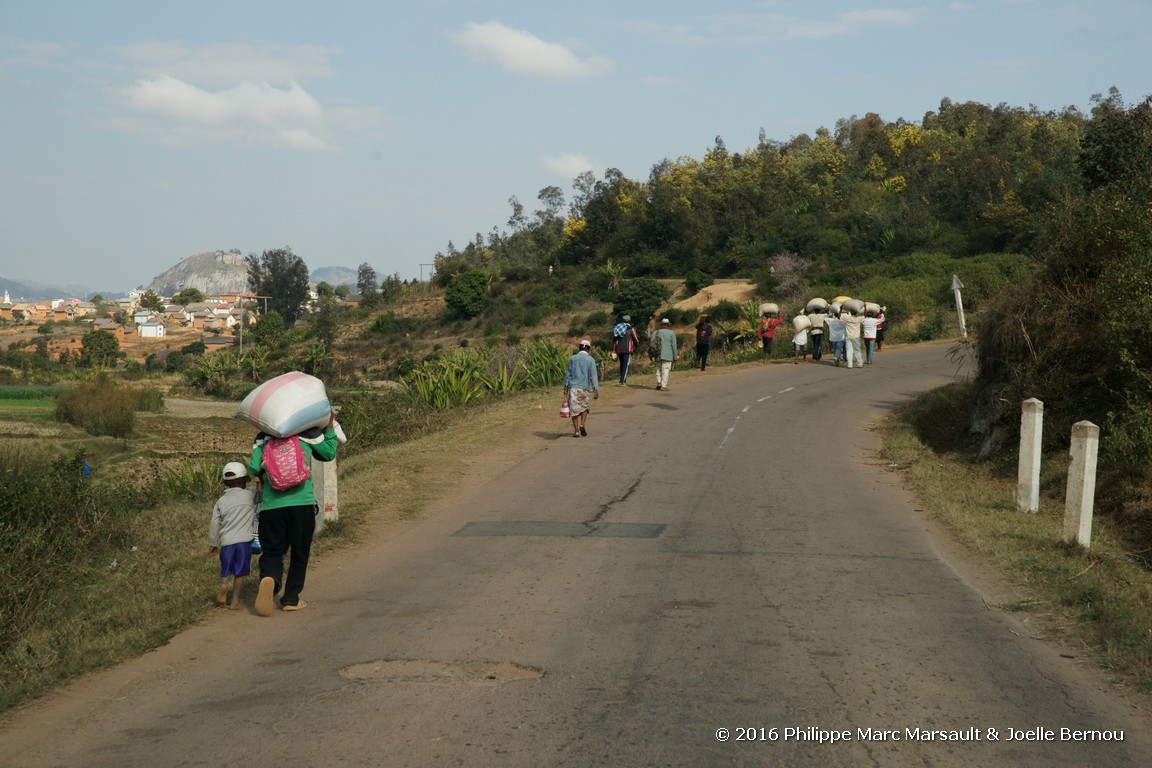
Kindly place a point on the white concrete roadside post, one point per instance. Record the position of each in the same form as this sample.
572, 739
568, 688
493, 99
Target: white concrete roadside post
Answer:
956, 286
1081, 491
325, 488
1028, 471
324, 485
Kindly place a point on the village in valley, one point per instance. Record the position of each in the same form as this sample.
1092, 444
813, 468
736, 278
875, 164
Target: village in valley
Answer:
59, 325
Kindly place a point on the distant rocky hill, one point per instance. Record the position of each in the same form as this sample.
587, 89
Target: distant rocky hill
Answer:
212, 272
335, 276
216, 272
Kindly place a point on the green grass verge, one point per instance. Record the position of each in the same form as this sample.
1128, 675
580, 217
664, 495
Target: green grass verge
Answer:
1095, 602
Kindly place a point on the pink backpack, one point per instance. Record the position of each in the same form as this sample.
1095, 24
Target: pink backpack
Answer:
284, 462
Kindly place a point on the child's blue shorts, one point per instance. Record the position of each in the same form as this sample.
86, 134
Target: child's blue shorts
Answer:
236, 559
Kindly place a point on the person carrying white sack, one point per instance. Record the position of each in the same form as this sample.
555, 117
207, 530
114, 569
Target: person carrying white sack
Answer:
852, 326
288, 520
800, 345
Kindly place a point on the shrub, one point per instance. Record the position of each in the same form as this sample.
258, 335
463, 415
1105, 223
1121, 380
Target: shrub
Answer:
466, 294
640, 298
390, 324
726, 311
697, 280
99, 408
175, 362
597, 319
680, 316
930, 328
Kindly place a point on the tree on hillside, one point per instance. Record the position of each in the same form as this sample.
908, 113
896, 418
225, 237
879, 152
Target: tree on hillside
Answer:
367, 285
641, 298
1117, 144
1094, 264
466, 295
268, 330
324, 321
189, 296
281, 275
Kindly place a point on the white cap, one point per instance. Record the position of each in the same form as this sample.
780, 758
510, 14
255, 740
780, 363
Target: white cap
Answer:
234, 470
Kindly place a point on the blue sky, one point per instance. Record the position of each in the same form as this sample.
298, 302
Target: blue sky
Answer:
134, 134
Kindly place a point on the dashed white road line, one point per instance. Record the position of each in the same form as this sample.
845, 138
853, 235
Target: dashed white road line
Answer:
728, 432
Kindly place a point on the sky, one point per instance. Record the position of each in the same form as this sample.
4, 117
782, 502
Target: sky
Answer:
135, 133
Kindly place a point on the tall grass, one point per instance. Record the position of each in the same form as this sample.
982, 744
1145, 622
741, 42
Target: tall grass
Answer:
54, 521
191, 479
17, 392
380, 417
74, 552
464, 376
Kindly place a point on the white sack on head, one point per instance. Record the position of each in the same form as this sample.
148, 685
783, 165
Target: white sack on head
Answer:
287, 405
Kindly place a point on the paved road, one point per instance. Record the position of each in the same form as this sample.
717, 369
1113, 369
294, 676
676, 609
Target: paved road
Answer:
727, 554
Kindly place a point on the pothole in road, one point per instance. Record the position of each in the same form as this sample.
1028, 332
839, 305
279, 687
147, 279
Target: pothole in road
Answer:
425, 670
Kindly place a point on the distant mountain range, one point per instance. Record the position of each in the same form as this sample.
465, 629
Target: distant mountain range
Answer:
27, 290
213, 272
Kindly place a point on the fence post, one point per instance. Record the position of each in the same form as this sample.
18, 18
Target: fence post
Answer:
1028, 473
1081, 492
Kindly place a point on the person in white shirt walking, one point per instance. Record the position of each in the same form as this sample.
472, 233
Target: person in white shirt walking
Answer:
869, 329
852, 325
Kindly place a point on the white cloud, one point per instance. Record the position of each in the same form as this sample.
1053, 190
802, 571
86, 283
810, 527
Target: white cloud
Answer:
522, 52
570, 166
248, 113
248, 94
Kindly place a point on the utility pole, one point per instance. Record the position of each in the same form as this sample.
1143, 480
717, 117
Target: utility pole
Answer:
956, 286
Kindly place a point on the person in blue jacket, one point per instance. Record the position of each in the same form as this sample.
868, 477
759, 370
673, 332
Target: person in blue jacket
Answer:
581, 386
288, 522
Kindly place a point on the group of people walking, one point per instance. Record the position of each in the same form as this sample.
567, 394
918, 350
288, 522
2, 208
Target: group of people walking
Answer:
847, 333
582, 378
844, 330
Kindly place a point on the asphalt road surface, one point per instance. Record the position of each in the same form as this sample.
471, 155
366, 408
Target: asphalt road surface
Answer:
721, 574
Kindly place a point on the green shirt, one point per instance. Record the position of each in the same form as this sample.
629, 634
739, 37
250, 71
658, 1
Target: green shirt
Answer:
301, 495
664, 340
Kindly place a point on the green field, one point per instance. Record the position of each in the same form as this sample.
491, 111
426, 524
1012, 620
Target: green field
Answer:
19, 402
